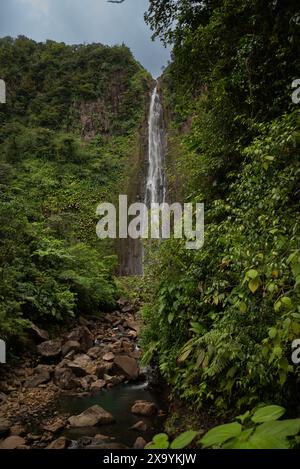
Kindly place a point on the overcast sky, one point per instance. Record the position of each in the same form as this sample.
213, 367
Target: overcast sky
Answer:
79, 21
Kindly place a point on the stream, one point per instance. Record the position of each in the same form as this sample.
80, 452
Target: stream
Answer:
118, 401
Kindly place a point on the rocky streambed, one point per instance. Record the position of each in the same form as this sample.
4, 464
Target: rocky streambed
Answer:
84, 389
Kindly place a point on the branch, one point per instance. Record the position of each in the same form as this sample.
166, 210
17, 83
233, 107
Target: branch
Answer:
116, 1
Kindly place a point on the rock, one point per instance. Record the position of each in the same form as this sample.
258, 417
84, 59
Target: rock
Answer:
82, 366
39, 335
144, 408
12, 442
107, 446
60, 443
70, 346
95, 352
102, 437
82, 335
98, 385
50, 349
127, 309
140, 427
133, 325
109, 357
85, 322
54, 426
103, 369
18, 430
3, 397
41, 376
65, 378
140, 443
4, 427
91, 417
127, 365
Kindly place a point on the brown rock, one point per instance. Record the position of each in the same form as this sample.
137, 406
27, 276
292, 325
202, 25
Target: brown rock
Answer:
39, 335
91, 417
140, 443
82, 335
103, 369
12, 442
60, 443
95, 352
70, 346
98, 385
65, 378
54, 426
82, 366
140, 427
109, 357
50, 349
41, 375
144, 408
127, 365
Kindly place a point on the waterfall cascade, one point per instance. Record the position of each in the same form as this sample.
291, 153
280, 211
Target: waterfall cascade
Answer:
131, 253
155, 185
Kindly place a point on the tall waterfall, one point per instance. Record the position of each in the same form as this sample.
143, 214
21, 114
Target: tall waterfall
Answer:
155, 186
131, 252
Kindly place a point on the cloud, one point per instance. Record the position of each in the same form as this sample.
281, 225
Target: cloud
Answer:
80, 21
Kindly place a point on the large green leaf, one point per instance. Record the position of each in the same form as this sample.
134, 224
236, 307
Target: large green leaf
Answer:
160, 441
183, 440
268, 413
220, 434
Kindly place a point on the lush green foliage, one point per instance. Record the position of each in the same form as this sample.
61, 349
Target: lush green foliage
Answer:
259, 429
67, 136
225, 316
161, 441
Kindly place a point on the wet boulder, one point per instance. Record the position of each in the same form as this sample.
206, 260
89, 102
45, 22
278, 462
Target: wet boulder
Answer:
91, 417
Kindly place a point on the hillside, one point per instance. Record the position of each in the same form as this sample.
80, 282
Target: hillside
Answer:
69, 134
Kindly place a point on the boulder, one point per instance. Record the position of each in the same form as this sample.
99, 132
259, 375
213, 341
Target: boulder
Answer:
54, 426
41, 375
140, 443
70, 346
102, 370
82, 366
12, 442
50, 349
140, 427
3, 397
4, 427
95, 352
65, 378
60, 443
91, 417
108, 357
144, 408
82, 335
39, 335
127, 365
98, 385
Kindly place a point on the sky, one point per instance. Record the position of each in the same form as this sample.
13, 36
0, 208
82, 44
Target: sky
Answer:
85, 21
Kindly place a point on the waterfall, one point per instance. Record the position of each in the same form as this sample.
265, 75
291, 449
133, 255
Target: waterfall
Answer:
131, 252
155, 186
